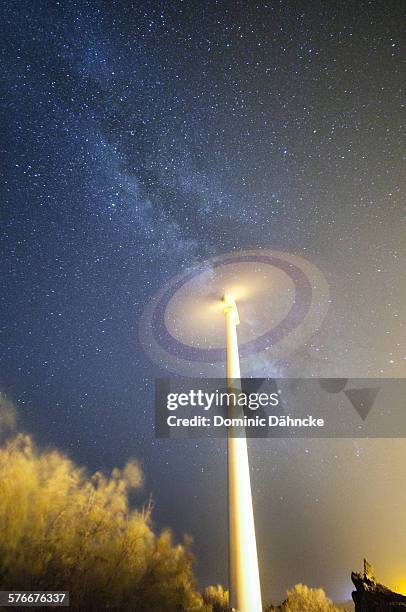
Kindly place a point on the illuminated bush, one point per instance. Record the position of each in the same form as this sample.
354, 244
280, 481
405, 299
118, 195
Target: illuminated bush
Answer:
60, 529
216, 597
303, 599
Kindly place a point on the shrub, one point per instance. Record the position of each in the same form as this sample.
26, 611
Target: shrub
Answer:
63, 530
216, 597
304, 599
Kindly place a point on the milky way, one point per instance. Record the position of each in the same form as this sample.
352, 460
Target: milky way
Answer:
142, 137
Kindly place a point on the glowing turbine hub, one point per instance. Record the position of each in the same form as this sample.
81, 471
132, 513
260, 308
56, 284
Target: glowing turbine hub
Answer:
230, 305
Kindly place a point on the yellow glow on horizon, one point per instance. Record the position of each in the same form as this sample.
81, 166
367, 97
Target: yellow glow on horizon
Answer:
399, 586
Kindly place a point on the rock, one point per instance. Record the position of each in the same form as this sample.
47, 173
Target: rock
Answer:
370, 596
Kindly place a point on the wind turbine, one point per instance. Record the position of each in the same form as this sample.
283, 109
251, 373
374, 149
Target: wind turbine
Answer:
283, 299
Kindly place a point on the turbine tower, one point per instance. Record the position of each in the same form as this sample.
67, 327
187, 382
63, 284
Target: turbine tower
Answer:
244, 585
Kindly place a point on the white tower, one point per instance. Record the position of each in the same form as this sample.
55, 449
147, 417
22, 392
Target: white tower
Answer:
244, 585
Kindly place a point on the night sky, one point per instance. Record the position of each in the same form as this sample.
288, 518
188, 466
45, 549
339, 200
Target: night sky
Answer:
139, 138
